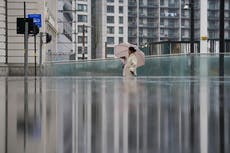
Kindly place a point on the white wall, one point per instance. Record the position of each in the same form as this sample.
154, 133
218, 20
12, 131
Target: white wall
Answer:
49, 19
2, 31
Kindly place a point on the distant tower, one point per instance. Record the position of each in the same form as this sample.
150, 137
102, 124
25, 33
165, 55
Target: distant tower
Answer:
83, 28
110, 26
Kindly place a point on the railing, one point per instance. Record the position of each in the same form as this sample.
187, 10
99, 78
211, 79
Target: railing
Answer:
158, 65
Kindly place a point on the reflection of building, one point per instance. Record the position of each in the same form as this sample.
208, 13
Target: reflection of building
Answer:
65, 19
110, 22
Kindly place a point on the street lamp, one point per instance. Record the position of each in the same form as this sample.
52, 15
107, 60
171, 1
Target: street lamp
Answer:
190, 7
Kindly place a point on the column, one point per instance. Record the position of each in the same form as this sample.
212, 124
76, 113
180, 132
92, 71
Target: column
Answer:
203, 26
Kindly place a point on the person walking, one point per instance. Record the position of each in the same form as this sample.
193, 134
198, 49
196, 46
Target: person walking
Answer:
131, 64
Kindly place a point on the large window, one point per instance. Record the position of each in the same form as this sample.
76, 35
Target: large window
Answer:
80, 38
82, 7
82, 18
110, 40
110, 0
110, 30
121, 30
110, 9
121, 20
120, 9
110, 50
80, 49
110, 19
121, 40
80, 29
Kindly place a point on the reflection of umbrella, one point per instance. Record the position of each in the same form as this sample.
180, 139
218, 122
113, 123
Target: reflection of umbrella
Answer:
122, 50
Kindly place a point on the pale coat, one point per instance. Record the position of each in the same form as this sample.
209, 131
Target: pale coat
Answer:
130, 65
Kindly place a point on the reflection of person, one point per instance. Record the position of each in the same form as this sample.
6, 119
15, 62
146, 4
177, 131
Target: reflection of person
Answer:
124, 61
131, 64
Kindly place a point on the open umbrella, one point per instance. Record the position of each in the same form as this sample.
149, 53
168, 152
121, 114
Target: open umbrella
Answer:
122, 50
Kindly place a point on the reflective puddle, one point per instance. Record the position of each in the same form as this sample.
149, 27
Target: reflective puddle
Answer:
114, 115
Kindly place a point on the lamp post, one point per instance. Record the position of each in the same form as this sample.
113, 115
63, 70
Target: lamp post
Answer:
190, 7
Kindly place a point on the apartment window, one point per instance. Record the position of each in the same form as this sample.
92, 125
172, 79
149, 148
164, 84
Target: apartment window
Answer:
82, 18
82, 7
121, 30
110, 19
110, 50
141, 21
121, 20
110, 40
110, 9
80, 50
121, 40
162, 22
182, 22
110, 30
121, 1
141, 2
80, 29
120, 9
80, 39
110, 0
141, 11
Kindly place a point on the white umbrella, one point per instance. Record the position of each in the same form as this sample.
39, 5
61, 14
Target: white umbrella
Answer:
122, 50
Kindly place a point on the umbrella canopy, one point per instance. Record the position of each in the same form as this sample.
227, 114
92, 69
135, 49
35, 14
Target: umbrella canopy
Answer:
122, 50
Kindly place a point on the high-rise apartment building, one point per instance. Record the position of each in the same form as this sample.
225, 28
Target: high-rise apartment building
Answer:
143, 21
109, 21
83, 28
159, 20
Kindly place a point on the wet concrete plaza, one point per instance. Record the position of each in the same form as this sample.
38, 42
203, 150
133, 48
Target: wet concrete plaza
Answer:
114, 115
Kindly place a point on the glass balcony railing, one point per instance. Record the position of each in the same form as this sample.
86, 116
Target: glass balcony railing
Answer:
163, 65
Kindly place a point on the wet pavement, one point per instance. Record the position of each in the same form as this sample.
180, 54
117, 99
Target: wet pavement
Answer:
114, 115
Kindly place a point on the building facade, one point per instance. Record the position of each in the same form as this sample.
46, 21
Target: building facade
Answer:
163, 20
49, 25
2, 31
110, 19
65, 30
83, 26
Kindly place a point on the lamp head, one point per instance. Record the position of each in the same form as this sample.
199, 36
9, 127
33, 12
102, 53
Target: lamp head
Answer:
186, 7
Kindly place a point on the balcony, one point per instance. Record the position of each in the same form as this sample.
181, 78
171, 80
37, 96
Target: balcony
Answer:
170, 15
149, 5
213, 27
155, 15
132, 4
132, 14
185, 27
173, 6
149, 25
132, 34
213, 17
149, 35
132, 24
